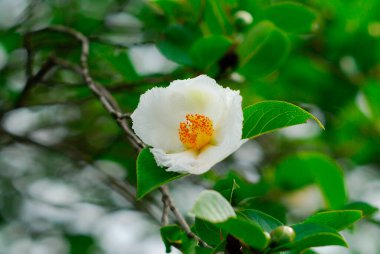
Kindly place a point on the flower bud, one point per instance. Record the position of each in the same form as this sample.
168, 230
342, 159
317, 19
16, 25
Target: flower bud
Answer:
282, 235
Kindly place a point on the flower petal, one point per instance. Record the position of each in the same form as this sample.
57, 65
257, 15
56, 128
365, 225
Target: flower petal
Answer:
160, 111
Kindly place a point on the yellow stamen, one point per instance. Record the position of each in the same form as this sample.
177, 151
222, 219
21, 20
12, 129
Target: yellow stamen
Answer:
196, 132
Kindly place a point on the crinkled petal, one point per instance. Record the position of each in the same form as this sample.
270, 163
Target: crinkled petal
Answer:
160, 111
157, 117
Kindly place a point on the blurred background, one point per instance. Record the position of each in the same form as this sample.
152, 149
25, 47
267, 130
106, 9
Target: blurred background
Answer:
63, 158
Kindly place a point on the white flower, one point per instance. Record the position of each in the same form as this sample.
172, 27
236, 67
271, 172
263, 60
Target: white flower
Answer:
191, 125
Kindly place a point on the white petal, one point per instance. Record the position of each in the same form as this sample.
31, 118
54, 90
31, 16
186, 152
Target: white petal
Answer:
153, 122
160, 111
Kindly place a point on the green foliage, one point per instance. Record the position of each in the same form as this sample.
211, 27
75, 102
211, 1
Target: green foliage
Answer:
246, 231
267, 116
264, 48
338, 220
172, 235
212, 207
321, 54
313, 168
313, 235
149, 175
292, 17
266, 222
208, 50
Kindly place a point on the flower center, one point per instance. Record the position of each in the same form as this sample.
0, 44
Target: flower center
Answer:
196, 132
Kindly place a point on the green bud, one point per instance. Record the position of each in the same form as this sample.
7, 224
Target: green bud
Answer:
282, 235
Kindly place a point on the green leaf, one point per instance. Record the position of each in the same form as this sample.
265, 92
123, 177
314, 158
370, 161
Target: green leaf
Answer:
208, 232
338, 219
264, 48
211, 206
313, 235
267, 222
208, 50
305, 168
171, 236
246, 231
372, 93
227, 187
149, 175
367, 209
216, 18
267, 116
175, 42
292, 17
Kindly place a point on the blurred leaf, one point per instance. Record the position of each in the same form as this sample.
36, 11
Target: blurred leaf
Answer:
208, 50
372, 93
292, 17
212, 207
338, 219
267, 222
367, 209
216, 19
80, 244
10, 40
263, 50
262, 204
246, 231
267, 116
149, 175
299, 170
313, 235
175, 43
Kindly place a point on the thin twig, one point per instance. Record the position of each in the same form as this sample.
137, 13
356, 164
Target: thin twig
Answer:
124, 189
32, 80
165, 209
181, 220
110, 104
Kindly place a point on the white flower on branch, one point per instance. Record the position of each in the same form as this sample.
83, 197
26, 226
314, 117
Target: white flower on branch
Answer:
191, 125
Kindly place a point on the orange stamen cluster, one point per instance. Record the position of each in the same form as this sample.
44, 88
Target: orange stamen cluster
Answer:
196, 132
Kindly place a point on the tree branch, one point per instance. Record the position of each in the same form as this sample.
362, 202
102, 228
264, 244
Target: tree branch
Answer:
110, 104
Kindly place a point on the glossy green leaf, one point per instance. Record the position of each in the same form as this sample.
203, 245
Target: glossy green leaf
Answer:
208, 50
302, 169
149, 175
267, 116
171, 236
313, 235
263, 50
292, 17
209, 232
211, 206
267, 222
338, 219
246, 231
367, 209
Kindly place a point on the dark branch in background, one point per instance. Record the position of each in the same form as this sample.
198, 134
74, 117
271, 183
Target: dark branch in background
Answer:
122, 188
33, 79
110, 104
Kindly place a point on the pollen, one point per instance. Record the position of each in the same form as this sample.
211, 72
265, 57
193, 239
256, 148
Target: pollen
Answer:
196, 132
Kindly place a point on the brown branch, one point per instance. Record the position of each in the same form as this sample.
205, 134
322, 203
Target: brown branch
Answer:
169, 201
110, 104
124, 189
33, 79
